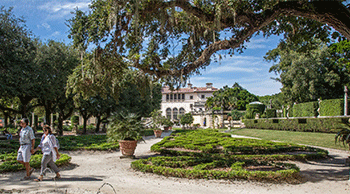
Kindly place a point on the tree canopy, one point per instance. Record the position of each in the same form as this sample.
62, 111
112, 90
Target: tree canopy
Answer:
174, 39
228, 98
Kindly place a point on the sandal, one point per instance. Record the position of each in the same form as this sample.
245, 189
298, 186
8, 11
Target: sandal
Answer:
38, 179
57, 176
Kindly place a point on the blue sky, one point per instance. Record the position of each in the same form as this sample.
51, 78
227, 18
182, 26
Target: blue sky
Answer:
47, 18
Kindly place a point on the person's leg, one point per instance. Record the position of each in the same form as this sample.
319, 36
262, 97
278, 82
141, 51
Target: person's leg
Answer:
53, 166
44, 161
26, 158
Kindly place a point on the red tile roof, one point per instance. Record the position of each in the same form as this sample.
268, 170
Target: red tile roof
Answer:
166, 90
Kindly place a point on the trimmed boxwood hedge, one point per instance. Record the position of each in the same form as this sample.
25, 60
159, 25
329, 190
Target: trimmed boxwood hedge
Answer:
207, 168
307, 109
325, 125
333, 107
209, 154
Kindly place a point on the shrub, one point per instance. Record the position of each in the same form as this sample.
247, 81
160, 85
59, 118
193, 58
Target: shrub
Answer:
253, 109
325, 125
307, 109
332, 107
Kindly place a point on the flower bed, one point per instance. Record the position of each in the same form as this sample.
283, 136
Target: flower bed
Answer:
213, 155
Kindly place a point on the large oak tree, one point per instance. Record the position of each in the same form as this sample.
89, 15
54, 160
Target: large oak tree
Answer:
174, 39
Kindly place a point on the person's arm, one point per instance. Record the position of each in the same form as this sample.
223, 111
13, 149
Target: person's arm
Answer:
54, 144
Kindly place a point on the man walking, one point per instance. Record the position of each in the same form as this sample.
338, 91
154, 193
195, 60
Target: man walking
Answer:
26, 141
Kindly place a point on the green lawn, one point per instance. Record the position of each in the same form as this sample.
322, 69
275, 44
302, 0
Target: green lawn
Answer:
308, 138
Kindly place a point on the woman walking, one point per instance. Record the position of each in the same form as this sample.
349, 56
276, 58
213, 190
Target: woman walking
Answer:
48, 146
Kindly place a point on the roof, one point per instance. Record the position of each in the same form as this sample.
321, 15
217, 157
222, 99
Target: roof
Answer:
166, 90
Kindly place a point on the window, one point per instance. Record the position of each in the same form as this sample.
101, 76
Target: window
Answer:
179, 96
203, 96
167, 97
183, 96
171, 96
175, 96
175, 112
182, 111
168, 113
191, 97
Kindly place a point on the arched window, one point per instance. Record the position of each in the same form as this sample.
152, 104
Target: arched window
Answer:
175, 113
168, 113
182, 111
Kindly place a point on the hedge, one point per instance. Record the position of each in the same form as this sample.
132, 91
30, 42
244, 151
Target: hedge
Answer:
271, 113
252, 109
307, 109
333, 107
325, 125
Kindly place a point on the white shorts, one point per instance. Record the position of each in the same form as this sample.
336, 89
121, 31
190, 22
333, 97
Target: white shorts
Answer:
24, 153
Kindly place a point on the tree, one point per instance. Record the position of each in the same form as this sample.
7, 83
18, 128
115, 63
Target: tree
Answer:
56, 62
174, 39
307, 75
231, 98
17, 69
186, 119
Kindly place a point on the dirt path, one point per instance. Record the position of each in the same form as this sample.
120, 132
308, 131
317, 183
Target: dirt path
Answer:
92, 170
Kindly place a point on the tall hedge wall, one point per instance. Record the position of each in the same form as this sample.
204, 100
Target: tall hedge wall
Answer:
333, 107
307, 109
326, 125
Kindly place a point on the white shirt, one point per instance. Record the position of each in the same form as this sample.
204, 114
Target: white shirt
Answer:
47, 146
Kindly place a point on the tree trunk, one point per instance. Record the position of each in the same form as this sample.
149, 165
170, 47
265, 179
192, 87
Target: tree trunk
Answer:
98, 124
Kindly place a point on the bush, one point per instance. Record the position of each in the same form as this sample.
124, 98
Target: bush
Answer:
325, 125
307, 109
253, 109
75, 119
270, 113
332, 107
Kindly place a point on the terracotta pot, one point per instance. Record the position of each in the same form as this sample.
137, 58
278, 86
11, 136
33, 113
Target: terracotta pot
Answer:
157, 133
127, 147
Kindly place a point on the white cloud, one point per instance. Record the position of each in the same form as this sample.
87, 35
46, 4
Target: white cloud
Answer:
58, 10
44, 25
261, 43
55, 34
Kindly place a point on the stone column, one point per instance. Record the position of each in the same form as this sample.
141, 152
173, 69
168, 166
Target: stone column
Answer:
346, 101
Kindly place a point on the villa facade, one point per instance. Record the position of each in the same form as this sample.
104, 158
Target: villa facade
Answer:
187, 100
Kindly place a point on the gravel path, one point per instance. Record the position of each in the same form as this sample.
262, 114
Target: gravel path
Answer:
92, 170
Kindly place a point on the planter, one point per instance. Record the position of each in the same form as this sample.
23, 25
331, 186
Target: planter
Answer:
127, 147
157, 133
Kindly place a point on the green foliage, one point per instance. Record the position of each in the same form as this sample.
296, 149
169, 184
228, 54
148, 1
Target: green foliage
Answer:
307, 75
74, 119
343, 136
186, 119
236, 115
230, 98
124, 127
253, 109
276, 100
212, 155
332, 107
86, 142
306, 109
209, 142
325, 125
204, 168
271, 113
196, 24
8, 162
